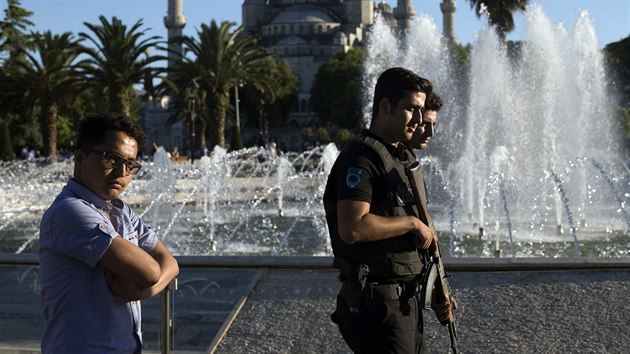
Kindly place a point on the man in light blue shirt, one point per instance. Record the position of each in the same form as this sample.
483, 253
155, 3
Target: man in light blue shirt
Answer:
97, 257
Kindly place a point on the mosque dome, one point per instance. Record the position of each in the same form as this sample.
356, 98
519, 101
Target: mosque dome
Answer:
302, 14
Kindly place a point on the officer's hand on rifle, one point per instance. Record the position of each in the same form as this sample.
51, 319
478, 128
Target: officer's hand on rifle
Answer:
425, 238
443, 309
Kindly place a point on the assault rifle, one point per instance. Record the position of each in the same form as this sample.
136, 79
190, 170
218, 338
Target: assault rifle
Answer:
435, 276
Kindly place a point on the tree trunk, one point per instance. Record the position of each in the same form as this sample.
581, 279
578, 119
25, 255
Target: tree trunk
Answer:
119, 101
49, 130
221, 126
114, 102
217, 129
203, 127
124, 100
6, 149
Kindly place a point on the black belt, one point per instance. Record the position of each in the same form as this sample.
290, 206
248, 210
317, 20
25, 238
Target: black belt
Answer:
385, 292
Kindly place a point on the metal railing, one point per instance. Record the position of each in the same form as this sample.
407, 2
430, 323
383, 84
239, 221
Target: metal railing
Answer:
307, 262
166, 328
196, 262
323, 263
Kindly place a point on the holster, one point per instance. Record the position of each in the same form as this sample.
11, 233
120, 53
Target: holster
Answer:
353, 280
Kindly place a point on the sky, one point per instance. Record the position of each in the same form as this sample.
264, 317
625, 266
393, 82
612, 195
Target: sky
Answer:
611, 18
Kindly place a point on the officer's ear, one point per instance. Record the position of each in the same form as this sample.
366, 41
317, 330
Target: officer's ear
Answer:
384, 106
78, 156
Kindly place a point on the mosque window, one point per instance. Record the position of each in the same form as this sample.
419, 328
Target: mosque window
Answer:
302, 105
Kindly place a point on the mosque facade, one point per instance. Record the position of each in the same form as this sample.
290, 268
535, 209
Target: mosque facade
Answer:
305, 33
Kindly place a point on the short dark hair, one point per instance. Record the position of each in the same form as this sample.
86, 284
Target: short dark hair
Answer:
92, 129
394, 83
433, 102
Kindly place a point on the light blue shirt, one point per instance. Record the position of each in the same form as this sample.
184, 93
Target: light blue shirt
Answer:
82, 315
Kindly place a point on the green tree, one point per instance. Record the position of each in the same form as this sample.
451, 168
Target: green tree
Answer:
13, 31
66, 132
184, 96
624, 118
460, 56
49, 79
323, 135
6, 150
337, 88
343, 136
14, 28
282, 86
285, 87
617, 55
500, 13
119, 59
308, 134
217, 61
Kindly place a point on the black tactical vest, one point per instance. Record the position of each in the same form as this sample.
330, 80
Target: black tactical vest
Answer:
393, 257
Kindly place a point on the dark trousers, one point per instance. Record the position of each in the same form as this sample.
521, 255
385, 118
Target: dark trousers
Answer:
392, 326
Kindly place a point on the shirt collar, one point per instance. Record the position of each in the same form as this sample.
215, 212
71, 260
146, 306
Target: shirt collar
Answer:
399, 151
90, 196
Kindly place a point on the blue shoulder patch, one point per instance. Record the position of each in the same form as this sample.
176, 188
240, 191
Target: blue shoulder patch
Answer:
353, 177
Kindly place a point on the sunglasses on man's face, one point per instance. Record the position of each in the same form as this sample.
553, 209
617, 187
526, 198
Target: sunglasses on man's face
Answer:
113, 160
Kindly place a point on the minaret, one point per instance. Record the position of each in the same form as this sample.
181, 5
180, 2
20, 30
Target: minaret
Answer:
448, 8
175, 21
252, 14
360, 12
404, 14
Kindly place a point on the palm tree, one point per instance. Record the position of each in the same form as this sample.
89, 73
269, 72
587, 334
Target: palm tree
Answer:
271, 108
13, 27
500, 13
49, 79
217, 61
120, 59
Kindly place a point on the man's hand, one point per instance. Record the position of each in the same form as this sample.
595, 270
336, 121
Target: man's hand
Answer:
444, 310
425, 237
127, 287
122, 287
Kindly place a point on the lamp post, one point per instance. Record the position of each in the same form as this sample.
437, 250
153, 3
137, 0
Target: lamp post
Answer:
237, 140
192, 141
236, 104
192, 92
261, 129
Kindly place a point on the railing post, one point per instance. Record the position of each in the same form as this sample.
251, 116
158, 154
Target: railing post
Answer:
167, 323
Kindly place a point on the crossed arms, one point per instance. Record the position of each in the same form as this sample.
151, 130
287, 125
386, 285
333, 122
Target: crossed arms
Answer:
134, 274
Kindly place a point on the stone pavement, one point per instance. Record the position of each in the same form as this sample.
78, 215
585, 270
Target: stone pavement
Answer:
562, 311
283, 306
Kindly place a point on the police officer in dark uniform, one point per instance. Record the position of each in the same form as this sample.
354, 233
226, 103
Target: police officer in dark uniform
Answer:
375, 231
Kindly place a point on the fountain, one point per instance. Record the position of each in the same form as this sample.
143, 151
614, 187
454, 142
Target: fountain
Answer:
525, 147
239, 203
523, 153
